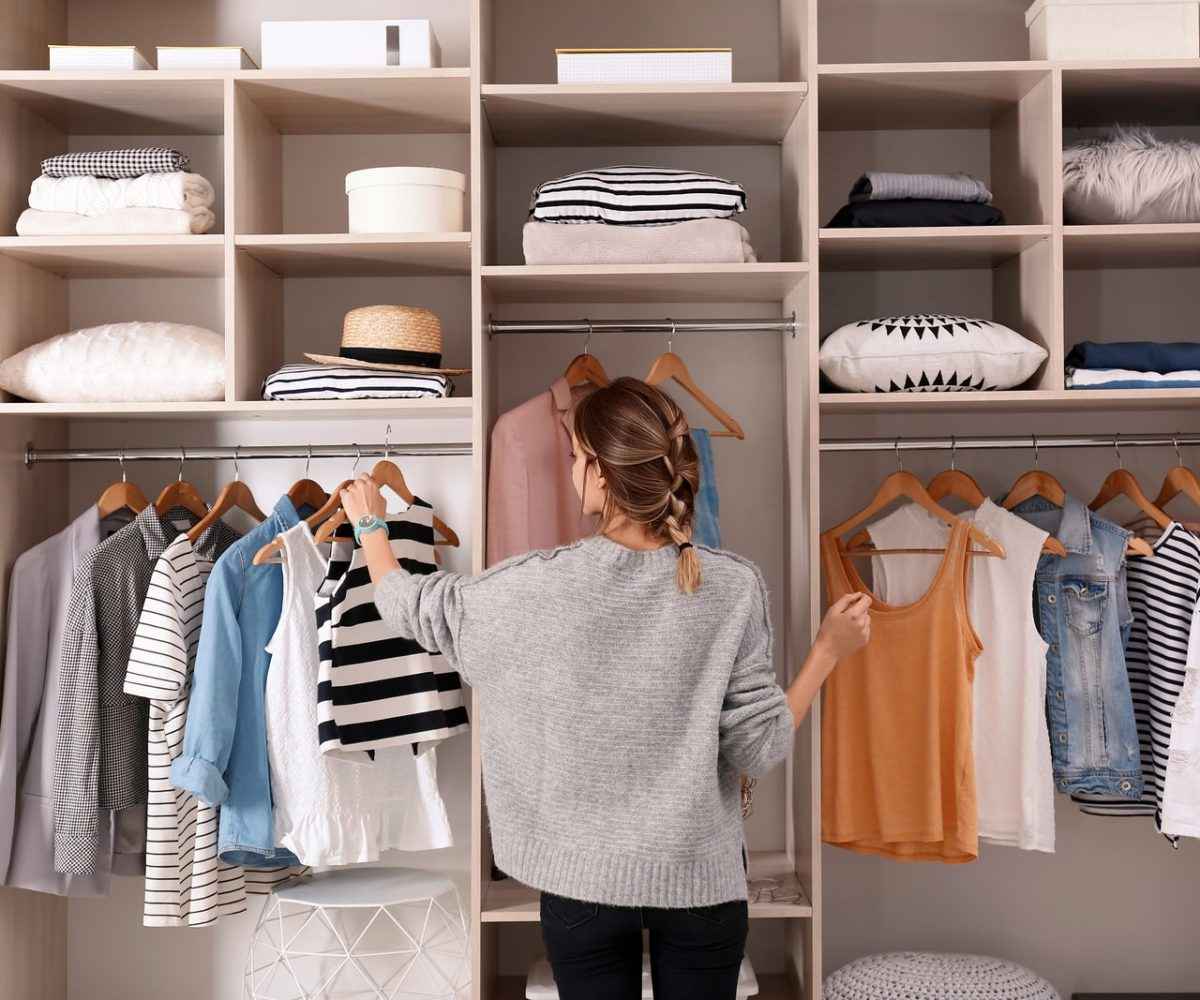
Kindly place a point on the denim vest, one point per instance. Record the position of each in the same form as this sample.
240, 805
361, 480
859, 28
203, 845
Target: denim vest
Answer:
1082, 611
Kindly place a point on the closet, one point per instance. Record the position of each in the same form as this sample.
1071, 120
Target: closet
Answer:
823, 90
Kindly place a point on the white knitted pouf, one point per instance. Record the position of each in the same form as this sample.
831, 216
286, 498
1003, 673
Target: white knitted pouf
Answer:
929, 975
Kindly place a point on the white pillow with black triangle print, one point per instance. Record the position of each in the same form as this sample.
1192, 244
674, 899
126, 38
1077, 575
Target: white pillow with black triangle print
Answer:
928, 353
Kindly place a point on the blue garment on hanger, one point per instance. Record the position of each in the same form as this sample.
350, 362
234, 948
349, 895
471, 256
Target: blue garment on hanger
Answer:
706, 527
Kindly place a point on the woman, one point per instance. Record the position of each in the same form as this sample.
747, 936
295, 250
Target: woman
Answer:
626, 683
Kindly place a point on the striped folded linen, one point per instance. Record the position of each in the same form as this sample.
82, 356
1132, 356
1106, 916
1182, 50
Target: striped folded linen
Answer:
881, 185
119, 222
116, 162
700, 241
1121, 378
636, 196
100, 195
313, 381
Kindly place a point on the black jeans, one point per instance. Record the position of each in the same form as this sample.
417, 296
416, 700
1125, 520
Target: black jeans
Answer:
596, 950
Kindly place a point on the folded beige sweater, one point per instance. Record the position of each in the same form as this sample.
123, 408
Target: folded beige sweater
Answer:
700, 241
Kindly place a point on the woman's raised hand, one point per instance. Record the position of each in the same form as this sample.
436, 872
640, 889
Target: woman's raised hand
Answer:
362, 497
846, 627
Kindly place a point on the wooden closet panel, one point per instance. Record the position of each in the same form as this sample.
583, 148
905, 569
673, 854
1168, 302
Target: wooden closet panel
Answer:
29, 26
33, 946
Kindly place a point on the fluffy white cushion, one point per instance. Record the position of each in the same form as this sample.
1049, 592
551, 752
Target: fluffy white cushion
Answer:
120, 363
928, 354
1131, 176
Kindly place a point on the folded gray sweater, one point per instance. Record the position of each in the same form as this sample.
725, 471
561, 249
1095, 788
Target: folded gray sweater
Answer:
699, 241
878, 185
616, 713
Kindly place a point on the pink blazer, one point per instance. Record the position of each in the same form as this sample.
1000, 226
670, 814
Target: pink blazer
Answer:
531, 501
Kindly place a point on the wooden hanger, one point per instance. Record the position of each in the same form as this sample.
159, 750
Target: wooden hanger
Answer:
1122, 483
670, 366
235, 496
387, 473
1179, 481
305, 492
180, 494
900, 485
585, 368
121, 495
332, 505
1035, 483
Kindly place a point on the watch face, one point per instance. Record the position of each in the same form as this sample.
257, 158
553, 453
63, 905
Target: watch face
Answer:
366, 520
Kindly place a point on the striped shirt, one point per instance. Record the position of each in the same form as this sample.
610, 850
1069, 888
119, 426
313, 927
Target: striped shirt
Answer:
636, 196
186, 883
1163, 592
313, 381
375, 688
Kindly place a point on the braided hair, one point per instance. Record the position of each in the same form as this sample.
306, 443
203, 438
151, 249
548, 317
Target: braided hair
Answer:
638, 437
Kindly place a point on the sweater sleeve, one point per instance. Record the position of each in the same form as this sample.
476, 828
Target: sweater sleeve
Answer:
756, 724
427, 609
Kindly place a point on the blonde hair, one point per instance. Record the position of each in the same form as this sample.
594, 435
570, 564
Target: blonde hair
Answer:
638, 437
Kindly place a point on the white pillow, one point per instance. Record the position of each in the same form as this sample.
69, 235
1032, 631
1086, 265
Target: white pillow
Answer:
120, 363
928, 353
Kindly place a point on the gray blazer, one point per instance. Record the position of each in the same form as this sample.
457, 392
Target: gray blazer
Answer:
37, 602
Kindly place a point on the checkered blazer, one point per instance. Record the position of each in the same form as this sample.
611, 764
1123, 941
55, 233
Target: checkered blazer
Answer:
100, 753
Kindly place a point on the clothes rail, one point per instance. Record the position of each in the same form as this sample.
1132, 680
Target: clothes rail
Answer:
662, 327
34, 456
1034, 441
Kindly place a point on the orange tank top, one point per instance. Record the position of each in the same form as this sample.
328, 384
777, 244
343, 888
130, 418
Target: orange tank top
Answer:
897, 770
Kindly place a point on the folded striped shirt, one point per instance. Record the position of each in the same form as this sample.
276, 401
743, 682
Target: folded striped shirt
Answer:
116, 162
377, 689
636, 196
314, 381
1120, 378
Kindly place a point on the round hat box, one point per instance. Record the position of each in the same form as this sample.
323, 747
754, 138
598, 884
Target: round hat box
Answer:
406, 200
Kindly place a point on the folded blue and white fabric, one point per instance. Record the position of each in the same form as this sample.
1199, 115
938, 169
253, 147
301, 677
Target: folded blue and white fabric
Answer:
1121, 378
881, 185
1136, 356
636, 196
116, 162
313, 381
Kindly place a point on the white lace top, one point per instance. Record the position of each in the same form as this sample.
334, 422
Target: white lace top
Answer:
330, 811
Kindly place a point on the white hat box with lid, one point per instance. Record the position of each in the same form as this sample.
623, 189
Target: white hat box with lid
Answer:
406, 200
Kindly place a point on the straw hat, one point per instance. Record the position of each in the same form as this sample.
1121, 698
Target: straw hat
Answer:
391, 338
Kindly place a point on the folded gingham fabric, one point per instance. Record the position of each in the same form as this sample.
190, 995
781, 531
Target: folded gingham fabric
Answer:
116, 163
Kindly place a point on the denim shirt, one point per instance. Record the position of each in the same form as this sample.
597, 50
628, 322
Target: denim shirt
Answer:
1082, 611
224, 759
706, 525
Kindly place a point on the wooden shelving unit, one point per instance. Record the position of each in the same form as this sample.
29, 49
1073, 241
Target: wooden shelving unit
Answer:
339, 254
643, 282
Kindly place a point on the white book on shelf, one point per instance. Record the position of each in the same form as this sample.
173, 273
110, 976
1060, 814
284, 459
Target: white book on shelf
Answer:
405, 44
118, 57
204, 57
645, 65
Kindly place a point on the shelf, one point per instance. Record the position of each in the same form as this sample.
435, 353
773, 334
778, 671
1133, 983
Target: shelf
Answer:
770, 987
641, 114
644, 282
1017, 401
896, 96
510, 901
1165, 245
413, 409
134, 103
120, 256
334, 102
342, 254
1162, 92
925, 248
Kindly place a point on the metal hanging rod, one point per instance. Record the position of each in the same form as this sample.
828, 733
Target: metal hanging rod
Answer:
1034, 441
662, 327
34, 456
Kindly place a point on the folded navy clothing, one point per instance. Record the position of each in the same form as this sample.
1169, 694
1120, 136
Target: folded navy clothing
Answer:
1137, 356
915, 212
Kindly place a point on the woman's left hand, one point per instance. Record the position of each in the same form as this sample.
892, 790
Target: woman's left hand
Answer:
362, 497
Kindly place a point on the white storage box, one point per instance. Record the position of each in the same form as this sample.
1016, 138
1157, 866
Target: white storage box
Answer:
406, 200
645, 65
115, 57
408, 44
1114, 29
204, 57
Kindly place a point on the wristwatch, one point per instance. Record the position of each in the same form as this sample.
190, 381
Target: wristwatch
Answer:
366, 524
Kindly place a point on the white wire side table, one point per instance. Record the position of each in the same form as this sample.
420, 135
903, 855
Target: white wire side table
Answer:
378, 933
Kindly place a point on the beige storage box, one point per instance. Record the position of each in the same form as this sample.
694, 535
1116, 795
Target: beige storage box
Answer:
1114, 29
406, 200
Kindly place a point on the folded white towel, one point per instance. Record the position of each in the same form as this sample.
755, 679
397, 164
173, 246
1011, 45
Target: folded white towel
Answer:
700, 241
101, 195
122, 222
1078, 378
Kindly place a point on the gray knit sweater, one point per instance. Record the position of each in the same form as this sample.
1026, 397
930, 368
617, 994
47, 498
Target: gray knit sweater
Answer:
616, 713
